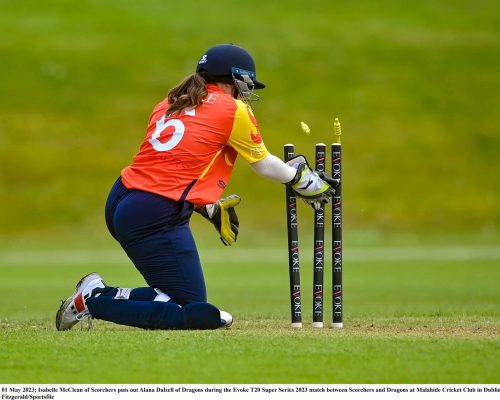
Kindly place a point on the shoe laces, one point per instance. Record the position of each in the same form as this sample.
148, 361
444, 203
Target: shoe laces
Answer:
90, 320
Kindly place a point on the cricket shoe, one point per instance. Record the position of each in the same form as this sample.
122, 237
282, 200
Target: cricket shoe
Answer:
226, 319
74, 309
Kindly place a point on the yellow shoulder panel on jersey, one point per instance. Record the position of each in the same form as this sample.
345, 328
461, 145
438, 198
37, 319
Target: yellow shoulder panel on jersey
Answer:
245, 136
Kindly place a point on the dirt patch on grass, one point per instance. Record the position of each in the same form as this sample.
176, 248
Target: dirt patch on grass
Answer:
426, 330
392, 328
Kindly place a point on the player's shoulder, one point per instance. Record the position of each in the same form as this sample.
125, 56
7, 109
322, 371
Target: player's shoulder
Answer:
244, 111
218, 106
217, 96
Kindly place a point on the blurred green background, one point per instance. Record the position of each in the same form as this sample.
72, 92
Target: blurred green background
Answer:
416, 86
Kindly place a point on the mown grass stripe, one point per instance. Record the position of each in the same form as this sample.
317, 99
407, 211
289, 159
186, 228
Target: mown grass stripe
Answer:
273, 255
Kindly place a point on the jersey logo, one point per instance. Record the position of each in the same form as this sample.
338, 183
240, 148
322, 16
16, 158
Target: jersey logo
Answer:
256, 137
210, 99
255, 152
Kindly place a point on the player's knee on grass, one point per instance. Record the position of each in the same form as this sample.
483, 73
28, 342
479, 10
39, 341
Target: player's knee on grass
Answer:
155, 314
201, 316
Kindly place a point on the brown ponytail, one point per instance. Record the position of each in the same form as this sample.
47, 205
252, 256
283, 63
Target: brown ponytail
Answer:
187, 94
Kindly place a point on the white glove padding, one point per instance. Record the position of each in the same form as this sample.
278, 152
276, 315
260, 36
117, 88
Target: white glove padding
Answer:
223, 216
315, 189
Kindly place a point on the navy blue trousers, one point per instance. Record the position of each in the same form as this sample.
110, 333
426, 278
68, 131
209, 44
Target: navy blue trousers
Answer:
154, 232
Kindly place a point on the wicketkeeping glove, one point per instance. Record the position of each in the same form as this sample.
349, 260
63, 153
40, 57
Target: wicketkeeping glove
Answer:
312, 187
223, 216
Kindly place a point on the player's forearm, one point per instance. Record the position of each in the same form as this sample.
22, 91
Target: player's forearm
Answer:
273, 168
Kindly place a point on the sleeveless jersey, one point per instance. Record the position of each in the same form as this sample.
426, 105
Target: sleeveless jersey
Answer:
190, 155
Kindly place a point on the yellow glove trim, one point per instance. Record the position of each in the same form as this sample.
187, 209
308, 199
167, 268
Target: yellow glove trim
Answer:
225, 226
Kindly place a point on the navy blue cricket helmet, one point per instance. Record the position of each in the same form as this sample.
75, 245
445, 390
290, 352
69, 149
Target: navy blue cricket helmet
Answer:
228, 60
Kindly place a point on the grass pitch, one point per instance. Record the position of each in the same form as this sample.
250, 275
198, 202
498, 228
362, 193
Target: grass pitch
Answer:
419, 321
415, 86
416, 89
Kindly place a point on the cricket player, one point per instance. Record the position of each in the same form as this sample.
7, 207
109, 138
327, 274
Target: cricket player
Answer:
193, 139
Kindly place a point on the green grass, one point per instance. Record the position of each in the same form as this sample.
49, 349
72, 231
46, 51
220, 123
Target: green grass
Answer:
422, 321
252, 352
414, 85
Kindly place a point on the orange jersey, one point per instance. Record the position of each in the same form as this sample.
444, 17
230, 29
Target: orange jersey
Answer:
190, 155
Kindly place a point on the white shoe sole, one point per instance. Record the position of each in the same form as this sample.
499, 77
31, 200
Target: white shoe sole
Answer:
227, 318
60, 323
